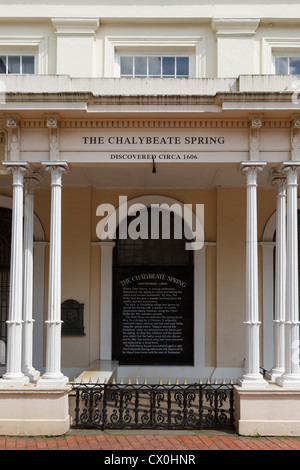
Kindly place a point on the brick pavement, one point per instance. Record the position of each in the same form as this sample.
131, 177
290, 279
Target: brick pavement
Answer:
179, 442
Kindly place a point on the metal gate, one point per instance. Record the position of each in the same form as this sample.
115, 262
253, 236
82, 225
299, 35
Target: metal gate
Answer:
134, 406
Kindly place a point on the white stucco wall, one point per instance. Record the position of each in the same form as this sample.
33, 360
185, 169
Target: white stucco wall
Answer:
224, 40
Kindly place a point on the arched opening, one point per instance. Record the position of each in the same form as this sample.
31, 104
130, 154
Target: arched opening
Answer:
5, 248
274, 260
269, 256
6, 204
153, 296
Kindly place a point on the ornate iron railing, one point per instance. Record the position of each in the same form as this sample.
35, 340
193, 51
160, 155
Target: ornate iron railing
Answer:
133, 406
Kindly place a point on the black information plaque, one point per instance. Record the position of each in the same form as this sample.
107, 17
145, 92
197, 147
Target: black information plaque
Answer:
153, 315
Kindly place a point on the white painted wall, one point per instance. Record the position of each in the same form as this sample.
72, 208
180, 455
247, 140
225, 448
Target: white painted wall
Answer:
168, 9
81, 40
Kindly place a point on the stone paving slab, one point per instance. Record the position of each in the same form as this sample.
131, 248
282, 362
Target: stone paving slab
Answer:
152, 441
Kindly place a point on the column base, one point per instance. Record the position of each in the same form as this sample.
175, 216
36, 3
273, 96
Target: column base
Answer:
252, 381
52, 380
31, 373
272, 411
28, 411
13, 380
274, 374
289, 381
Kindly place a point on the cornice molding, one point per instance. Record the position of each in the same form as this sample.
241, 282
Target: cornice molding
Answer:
75, 26
235, 26
88, 98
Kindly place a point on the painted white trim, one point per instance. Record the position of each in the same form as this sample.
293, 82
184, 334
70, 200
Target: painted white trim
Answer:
271, 45
36, 44
161, 54
75, 26
195, 45
235, 27
199, 302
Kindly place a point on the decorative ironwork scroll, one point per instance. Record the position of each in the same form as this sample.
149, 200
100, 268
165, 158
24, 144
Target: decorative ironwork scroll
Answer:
133, 406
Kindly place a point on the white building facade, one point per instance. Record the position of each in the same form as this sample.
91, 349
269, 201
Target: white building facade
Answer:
109, 110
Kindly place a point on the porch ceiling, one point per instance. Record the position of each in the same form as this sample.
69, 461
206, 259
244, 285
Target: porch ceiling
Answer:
166, 177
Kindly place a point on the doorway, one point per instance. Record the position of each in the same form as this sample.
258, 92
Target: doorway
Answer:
153, 298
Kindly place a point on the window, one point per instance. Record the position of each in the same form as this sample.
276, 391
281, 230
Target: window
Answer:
154, 66
287, 64
280, 55
17, 64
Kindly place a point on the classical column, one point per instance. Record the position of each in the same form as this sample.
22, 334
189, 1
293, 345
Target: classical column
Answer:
277, 370
14, 375
252, 376
31, 182
53, 375
291, 375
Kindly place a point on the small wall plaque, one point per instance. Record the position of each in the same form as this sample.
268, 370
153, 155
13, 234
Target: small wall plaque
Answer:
72, 317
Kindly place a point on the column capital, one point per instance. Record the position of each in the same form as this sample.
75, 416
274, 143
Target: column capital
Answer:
57, 170
251, 168
291, 169
290, 166
251, 165
63, 167
32, 181
277, 178
17, 168
13, 165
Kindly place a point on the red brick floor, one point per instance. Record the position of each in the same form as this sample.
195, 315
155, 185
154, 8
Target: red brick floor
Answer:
178, 442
